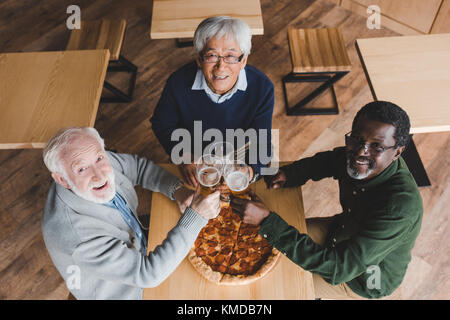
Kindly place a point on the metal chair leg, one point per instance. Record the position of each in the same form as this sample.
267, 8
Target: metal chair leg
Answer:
121, 65
415, 165
328, 81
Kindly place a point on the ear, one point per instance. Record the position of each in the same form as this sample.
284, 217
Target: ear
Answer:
60, 180
244, 61
199, 62
398, 152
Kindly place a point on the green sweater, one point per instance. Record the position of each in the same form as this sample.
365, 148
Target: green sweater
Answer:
368, 245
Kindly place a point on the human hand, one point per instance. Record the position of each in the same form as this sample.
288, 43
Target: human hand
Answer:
276, 181
252, 211
206, 206
189, 172
183, 196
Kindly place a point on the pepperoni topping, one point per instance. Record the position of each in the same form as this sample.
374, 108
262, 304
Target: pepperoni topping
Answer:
242, 254
198, 242
220, 258
244, 264
211, 252
226, 250
212, 243
222, 269
200, 252
230, 246
209, 230
208, 260
225, 232
233, 260
254, 256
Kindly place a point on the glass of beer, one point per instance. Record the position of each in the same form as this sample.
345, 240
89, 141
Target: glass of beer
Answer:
237, 176
209, 172
222, 149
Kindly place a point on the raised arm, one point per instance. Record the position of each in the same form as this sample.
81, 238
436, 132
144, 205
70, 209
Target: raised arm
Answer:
321, 165
145, 173
111, 259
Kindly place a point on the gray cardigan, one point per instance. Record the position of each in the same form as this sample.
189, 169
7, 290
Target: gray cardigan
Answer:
96, 252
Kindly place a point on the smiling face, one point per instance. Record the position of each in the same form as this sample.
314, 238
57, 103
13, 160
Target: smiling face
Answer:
363, 165
88, 172
221, 76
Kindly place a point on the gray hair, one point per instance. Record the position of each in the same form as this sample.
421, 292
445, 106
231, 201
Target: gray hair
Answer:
60, 140
221, 26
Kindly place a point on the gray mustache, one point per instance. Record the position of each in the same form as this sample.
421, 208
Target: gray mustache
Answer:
352, 157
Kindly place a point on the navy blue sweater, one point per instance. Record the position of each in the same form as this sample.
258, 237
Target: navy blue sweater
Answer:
179, 106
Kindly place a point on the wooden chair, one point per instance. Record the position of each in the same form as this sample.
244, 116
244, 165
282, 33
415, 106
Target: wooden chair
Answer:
106, 34
317, 55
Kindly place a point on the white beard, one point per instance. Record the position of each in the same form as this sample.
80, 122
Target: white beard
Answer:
355, 174
87, 195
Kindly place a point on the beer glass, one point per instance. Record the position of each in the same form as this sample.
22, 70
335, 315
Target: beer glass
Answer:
237, 177
209, 172
222, 149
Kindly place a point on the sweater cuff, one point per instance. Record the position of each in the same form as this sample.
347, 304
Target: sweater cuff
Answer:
271, 226
174, 187
192, 221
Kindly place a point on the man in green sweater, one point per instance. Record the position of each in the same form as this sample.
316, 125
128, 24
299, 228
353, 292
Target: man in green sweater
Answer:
365, 250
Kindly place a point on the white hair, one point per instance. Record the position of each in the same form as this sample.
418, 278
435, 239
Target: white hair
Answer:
60, 140
217, 27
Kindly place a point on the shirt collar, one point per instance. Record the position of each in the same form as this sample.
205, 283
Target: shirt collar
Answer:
200, 84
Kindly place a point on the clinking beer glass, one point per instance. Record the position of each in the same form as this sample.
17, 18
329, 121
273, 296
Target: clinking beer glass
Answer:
209, 172
237, 177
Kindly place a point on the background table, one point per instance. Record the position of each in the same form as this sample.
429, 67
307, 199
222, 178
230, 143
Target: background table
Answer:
285, 281
42, 92
180, 18
414, 73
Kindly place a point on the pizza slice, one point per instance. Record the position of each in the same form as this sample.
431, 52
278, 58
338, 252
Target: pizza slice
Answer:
230, 252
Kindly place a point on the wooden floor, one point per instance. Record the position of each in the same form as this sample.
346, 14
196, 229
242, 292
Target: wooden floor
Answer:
26, 270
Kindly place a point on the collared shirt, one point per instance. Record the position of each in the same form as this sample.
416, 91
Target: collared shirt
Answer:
200, 84
120, 204
376, 231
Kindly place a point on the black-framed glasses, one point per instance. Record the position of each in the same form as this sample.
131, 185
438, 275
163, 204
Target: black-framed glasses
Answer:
214, 58
356, 142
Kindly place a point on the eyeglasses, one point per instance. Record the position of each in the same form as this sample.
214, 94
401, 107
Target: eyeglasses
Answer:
373, 148
213, 58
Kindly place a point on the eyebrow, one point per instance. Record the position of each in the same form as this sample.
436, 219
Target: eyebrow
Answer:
77, 164
80, 162
377, 138
214, 49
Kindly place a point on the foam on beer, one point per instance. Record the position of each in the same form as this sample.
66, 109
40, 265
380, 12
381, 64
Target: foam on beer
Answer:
209, 176
237, 181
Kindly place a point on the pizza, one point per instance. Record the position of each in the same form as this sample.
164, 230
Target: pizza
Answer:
228, 251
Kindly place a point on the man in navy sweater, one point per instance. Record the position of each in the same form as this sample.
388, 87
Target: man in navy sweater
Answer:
220, 90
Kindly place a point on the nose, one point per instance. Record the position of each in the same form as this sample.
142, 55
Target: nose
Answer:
220, 63
363, 149
98, 174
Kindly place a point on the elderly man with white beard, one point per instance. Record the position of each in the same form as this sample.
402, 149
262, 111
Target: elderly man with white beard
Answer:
90, 224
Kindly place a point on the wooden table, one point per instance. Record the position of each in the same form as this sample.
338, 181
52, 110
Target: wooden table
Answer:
42, 92
180, 18
414, 73
285, 281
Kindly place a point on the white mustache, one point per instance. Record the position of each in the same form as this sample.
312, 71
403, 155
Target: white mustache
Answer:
95, 186
108, 179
